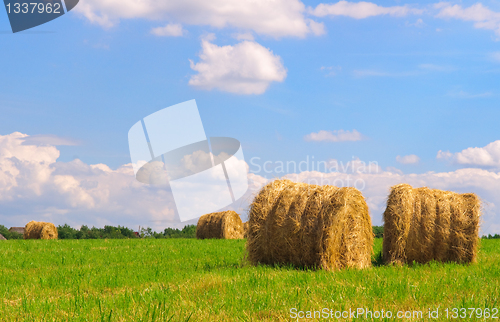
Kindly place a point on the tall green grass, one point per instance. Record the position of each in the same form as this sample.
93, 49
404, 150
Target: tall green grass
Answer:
208, 280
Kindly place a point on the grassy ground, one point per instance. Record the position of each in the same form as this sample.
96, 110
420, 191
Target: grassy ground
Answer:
205, 280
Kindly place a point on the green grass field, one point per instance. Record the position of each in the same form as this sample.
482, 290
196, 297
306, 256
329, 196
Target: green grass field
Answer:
208, 280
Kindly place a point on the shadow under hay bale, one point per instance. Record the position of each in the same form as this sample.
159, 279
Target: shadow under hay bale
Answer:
223, 225
309, 226
40, 230
422, 224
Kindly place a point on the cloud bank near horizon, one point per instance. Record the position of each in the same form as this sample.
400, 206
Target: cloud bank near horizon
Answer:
35, 186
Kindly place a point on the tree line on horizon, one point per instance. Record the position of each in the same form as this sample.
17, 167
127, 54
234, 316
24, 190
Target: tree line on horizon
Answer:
110, 232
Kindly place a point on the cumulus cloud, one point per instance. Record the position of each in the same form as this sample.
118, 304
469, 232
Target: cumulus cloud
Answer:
244, 36
360, 10
35, 186
482, 16
245, 68
317, 28
375, 187
48, 139
170, 30
334, 136
408, 159
488, 156
277, 18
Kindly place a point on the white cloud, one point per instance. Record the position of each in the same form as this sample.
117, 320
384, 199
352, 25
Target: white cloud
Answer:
360, 10
317, 28
488, 156
408, 159
277, 18
170, 30
244, 36
483, 17
35, 186
245, 68
48, 139
376, 186
334, 136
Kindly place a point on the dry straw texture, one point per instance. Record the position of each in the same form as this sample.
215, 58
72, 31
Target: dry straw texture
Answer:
40, 230
309, 226
245, 229
224, 225
425, 224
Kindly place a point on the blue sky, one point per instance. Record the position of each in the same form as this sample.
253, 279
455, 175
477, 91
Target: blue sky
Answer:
412, 79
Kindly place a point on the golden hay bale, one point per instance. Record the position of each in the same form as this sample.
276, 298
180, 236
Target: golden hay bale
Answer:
40, 230
225, 225
425, 224
245, 229
309, 226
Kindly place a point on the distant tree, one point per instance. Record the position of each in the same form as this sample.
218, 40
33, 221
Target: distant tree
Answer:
94, 233
147, 233
9, 234
66, 232
496, 236
378, 231
126, 232
112, 233
158, 235
188, 231
83, 233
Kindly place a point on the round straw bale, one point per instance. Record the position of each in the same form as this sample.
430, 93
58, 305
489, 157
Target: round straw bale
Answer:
245, 229
40, 230
257, 239
224, 225
422, 224
309, 226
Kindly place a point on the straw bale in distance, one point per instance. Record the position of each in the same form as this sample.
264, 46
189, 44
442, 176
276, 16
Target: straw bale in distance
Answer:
224, 225
309, 226
2, 238
422, 224
40, 230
